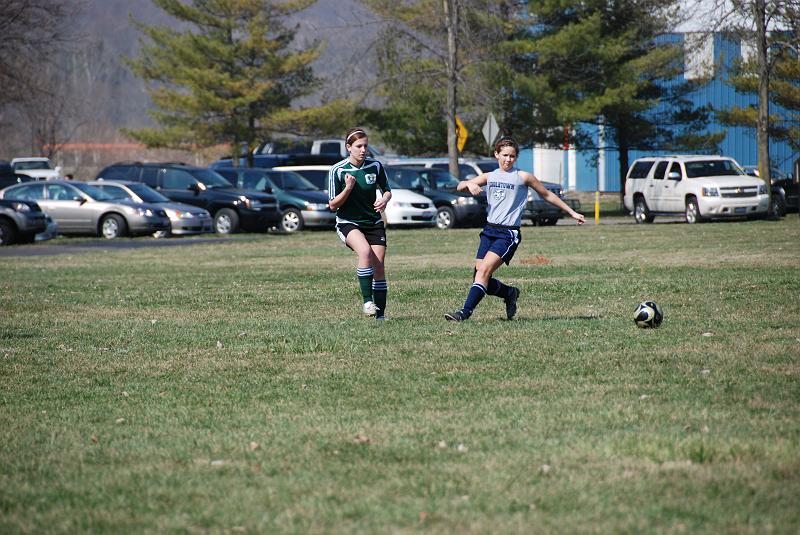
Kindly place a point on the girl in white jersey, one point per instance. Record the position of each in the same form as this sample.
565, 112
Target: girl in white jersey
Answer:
507, 193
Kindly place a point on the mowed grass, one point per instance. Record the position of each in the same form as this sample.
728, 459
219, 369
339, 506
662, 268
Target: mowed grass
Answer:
234, 387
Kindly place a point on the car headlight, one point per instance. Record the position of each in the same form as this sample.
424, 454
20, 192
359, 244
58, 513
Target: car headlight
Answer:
710, 192
178, 214
21, 207
466, 200
316, 206
138, 210
762, 189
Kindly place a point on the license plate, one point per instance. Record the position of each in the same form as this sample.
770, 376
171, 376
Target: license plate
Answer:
427, 214
741, 210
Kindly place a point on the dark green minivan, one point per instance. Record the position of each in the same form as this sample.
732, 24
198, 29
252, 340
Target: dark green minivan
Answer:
300, 202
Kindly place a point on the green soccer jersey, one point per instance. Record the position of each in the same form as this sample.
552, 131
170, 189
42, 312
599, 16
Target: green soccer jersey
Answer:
359, 208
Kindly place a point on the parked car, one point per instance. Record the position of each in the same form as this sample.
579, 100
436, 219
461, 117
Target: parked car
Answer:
328, 147
408, 208
700, 187
453, 208
316, 174
79, 208
467, 167
20, 221
266, 161
183, 218
36, 167
784, 197
231, 208
301, 203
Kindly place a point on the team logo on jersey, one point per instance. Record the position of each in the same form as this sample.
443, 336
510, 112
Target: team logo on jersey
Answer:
499, 194
370, 178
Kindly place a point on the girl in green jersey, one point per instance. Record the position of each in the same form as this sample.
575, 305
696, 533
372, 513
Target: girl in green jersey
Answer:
352, 187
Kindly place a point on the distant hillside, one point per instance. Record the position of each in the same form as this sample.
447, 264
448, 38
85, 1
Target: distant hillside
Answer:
122, 99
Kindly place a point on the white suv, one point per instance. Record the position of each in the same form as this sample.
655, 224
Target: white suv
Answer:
700, 187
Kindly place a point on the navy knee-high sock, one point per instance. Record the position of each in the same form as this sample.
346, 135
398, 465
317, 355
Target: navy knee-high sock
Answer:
497, 288
476, 293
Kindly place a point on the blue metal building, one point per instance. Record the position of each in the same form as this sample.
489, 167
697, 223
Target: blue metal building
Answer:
599, 169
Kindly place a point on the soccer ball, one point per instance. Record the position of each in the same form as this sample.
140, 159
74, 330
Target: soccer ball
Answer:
648, 315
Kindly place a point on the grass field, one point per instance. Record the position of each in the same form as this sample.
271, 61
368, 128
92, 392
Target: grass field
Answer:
233, 387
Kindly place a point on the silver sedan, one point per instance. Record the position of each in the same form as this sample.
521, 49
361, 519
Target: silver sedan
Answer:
79, 208
184, 218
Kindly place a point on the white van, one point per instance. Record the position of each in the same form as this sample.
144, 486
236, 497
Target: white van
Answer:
699, 187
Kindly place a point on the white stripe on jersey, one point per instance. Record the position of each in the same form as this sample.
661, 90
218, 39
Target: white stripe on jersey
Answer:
331, 178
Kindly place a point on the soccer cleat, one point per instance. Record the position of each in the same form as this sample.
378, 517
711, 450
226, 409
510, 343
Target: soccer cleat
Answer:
455, 316
511, 302
370, 309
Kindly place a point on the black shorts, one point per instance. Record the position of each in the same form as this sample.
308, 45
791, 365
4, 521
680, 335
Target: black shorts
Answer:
374, 235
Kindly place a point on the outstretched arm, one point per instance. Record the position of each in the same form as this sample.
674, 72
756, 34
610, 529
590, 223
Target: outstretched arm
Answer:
552, 198
474, 185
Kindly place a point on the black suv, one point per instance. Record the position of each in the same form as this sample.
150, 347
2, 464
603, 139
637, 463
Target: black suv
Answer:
231, 208
453, 208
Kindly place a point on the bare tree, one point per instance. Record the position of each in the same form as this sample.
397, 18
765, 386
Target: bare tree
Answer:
31, 31
763, 23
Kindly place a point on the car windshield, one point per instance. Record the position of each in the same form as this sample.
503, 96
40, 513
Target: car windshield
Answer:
317, 177
712, 168
293, 181
27, 166
95, 193
394, 185
211, 179
147, 193
443, 179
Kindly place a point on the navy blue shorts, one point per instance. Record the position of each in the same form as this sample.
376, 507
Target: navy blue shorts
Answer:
501, 241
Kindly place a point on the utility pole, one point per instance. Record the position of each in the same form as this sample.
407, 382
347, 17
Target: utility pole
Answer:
451, 22
762, 123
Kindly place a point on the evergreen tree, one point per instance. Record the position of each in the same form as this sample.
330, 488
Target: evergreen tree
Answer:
226, 75
600, 61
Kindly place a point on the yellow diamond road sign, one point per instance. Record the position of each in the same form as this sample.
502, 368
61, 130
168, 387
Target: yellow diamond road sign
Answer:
461, 134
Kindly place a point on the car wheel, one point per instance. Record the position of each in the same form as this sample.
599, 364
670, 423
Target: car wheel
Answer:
7, 233
692, 213
776, 206
445, 218
112, 226
641, 213
226, 221
548, 221
292, 220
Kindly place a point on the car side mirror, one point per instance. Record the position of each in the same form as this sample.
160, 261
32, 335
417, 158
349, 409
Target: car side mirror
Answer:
674, 175
195, 187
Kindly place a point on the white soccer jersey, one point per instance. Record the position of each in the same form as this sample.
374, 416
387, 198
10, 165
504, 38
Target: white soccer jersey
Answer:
507, 194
